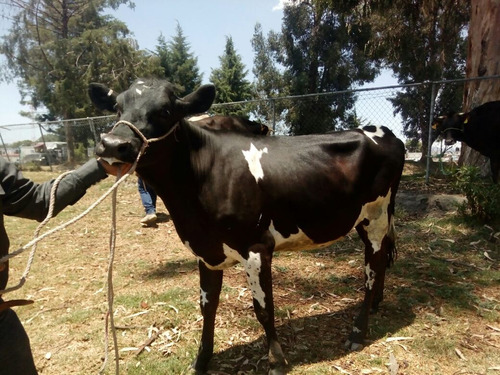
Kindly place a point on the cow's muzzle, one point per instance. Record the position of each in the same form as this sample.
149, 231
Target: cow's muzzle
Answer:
115, 149
449, 141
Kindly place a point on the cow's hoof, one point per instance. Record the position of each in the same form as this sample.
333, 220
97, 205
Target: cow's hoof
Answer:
198, 371
353, 346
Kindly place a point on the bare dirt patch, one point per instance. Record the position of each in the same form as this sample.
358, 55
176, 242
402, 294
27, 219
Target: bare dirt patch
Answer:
441, 313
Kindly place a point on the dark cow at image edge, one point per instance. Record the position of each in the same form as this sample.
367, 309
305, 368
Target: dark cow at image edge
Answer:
238, 197
479, 129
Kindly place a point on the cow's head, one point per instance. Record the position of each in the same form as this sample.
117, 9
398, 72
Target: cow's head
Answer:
450, 127
151, 106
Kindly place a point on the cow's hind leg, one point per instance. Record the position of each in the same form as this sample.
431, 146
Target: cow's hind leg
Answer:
379, 250
388, 253
258, 268
210, 287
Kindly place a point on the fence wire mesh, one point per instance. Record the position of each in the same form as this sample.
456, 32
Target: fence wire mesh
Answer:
47, 142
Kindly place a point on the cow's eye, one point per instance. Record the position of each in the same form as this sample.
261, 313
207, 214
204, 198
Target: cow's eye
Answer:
165, 112
117, 110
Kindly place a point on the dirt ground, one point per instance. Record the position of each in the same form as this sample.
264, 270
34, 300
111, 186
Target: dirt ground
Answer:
419, 330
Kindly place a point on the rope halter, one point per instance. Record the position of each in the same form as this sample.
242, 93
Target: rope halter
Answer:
145, 141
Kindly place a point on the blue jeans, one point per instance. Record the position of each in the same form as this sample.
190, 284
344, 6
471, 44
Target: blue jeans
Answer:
148, 196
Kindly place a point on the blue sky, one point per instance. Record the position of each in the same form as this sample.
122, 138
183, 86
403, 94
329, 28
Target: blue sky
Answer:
205, 24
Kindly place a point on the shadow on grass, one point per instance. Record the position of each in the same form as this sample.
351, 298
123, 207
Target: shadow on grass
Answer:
173, 269
309, 340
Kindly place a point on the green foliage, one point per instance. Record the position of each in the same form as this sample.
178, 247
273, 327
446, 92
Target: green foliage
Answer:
230, 78
413, 145
422, 41
483, 197
321, 48
55, 49
179, 64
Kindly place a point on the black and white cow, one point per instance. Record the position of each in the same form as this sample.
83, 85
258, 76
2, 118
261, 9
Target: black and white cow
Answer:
479, 128
230, 123
237, 197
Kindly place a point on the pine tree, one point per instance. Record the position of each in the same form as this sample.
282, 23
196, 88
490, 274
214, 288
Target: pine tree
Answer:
230, 78
179, 63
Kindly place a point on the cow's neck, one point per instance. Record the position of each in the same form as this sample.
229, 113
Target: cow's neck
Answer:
174, 168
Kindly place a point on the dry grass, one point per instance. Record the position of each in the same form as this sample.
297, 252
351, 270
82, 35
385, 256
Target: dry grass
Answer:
443, 294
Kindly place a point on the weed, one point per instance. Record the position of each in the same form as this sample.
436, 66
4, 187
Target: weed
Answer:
483, 197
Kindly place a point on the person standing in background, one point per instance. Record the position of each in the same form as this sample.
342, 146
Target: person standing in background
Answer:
148, 199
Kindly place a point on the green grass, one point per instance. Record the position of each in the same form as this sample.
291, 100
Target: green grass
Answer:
444, 294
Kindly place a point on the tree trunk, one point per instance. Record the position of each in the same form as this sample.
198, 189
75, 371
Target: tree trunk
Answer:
68, 132
483, 59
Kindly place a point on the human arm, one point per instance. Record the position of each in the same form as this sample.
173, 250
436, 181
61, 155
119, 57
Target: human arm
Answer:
24, 198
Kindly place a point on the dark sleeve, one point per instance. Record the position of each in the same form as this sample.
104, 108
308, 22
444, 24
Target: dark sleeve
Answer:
25, 198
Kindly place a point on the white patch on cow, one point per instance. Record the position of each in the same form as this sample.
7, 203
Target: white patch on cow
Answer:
189, 247
110, 92
198, 118
370, 276
376, 213
253, 266
377, 133
297, 241
138, 91
356, 329
232, 257
253, 157
203, 297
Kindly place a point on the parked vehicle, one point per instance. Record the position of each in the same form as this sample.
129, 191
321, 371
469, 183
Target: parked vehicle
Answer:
35, 158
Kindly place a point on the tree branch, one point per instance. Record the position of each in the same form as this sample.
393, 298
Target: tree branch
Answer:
39, 38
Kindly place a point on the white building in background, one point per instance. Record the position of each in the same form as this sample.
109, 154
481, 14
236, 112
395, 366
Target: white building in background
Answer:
438, 148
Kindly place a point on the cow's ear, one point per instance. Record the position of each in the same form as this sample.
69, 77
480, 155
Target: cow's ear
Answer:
198, 101
438, 122
103, 97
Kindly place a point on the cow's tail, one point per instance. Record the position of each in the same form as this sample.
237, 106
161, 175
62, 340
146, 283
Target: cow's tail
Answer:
392, 252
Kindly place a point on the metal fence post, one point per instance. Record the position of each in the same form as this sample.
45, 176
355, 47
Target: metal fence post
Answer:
273, 109
431, 118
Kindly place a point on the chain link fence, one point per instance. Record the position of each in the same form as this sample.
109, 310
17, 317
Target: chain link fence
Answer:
292, 115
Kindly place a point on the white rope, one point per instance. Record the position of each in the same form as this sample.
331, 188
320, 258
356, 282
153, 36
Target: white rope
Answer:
56, 229
37, 238
113, 189
109, 321
111, 295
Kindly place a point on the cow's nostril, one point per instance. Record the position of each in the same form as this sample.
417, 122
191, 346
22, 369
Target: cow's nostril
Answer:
122, 149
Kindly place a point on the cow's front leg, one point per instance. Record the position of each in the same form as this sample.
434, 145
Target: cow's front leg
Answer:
258, 268
210, 287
